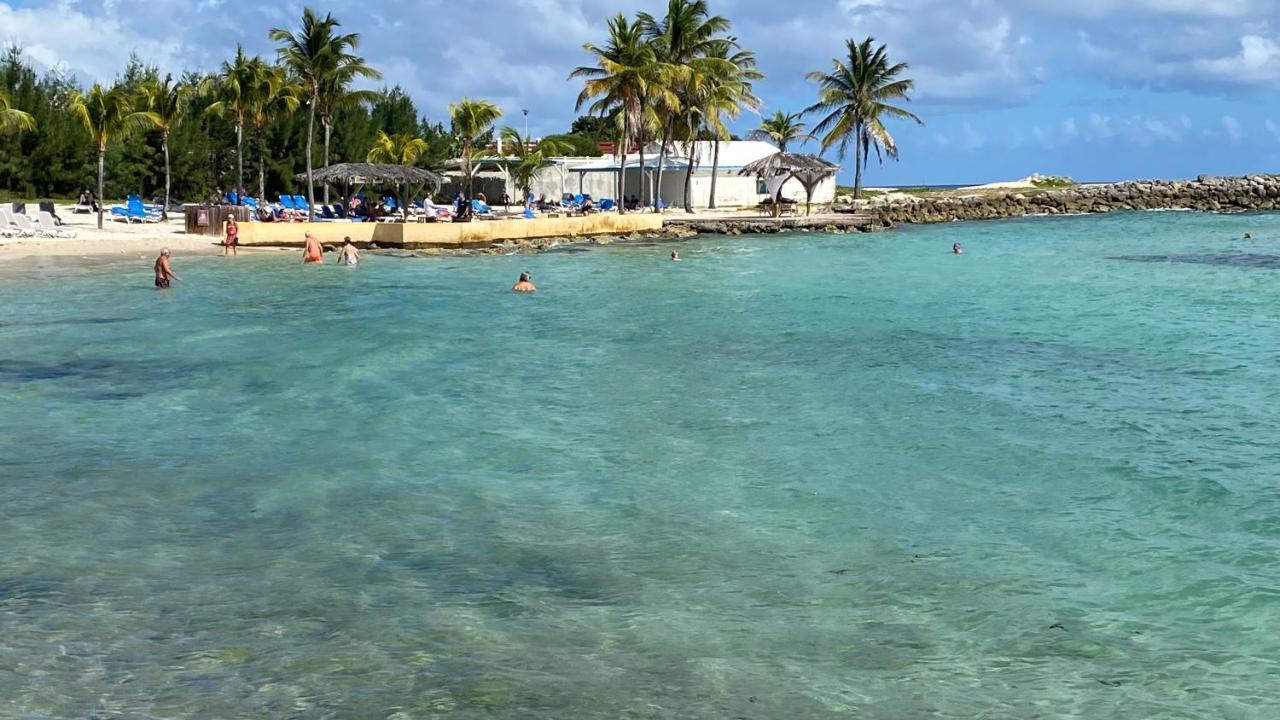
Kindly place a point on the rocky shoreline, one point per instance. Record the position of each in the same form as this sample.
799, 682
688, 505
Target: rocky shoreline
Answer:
1207, 194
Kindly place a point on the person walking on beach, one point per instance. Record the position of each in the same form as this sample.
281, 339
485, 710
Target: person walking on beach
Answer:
312, 251
524, 284
164, 273
231, 236
349, 254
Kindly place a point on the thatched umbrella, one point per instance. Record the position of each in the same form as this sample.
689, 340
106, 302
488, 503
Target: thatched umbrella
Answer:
357, 175
782, 166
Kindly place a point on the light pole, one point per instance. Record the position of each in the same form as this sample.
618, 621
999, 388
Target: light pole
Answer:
526, 125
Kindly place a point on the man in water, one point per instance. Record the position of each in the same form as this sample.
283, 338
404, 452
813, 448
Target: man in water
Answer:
349, 254
675, 256
956, 249
524, 284
164, 273
313, 251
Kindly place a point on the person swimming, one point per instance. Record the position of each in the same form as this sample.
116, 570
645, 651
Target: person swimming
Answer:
524, 284
349, 254
675, 256
956, 249
164, 273
312, 251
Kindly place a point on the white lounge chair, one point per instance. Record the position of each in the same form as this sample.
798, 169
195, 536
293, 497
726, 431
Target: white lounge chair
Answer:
25, 225
51, 228
12, 227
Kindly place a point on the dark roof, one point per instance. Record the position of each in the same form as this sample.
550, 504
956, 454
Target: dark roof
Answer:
354, 173
785, 163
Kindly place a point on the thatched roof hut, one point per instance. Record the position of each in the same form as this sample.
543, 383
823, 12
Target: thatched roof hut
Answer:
778, 168
354, 176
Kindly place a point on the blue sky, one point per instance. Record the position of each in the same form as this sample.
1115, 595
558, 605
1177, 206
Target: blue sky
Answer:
1095, 89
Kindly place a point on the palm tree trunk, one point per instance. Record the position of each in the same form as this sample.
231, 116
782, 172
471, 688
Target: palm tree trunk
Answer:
642, 183
857, 165
311, 176
164, 144
239, 163
328, 127
262, 168
662, 161
102, 153
622, 165
688, 179
715, 170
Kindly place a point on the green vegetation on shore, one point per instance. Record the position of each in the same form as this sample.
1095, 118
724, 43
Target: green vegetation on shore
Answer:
669, 79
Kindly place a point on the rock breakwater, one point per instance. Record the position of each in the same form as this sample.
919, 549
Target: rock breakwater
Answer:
1208, 194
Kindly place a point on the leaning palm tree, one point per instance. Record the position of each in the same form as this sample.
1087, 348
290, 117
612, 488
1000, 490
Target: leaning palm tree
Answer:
529, 158
626, 72
233, 88
855, 96
336, 93
168, 100
471, 120
729, 90
11, 118
684, 40
273, 97
317, 55
398, 149
781, 129
107, 114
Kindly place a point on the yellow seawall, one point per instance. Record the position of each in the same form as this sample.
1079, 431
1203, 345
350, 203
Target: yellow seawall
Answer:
479, 233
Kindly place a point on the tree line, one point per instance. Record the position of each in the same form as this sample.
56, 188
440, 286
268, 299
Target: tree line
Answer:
257, 123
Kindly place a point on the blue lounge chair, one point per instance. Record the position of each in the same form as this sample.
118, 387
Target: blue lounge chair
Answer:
480, 208
327, 213
301, 203
286, 202
606, 205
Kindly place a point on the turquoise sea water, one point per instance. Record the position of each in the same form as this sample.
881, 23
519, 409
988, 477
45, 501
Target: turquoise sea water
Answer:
806, 477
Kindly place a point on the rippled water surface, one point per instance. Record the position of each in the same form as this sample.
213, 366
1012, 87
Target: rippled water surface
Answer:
802, 477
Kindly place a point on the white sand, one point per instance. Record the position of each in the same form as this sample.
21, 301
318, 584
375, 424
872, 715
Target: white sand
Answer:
1023, 184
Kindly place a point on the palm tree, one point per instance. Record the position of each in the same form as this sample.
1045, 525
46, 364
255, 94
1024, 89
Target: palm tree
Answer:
781, 129
106, 115
272, 97
321, 59
854, 95
12, 119
625, 73
168, 100
398, 149
233, 88
729, 91
530, 158
335, 93
471, 120
684, 40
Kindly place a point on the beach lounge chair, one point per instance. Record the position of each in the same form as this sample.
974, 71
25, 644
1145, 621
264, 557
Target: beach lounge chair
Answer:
481, 209
141, 213
8, 227
301, 203
607, 204
26, 227
286, 202
51, 229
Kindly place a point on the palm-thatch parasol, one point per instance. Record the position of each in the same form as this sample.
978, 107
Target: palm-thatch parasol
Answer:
780, 167
357, 175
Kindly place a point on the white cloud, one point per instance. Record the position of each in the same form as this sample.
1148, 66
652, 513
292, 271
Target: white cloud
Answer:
1232, 128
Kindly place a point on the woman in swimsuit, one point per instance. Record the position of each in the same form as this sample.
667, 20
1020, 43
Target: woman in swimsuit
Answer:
232, 236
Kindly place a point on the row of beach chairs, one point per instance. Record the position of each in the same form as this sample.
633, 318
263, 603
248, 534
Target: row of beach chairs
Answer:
134, 210
14, 224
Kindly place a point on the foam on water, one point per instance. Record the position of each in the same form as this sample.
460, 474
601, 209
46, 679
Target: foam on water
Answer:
799, 477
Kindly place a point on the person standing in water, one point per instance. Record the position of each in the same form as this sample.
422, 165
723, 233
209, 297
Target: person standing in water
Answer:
349, 254
164, 272
231, 236
524, 284
675, 256
312, 251
956, 249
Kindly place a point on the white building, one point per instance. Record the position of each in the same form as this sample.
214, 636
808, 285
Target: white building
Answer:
598, 177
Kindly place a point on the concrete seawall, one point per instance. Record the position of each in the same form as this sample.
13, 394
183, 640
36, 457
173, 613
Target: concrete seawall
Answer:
458, 236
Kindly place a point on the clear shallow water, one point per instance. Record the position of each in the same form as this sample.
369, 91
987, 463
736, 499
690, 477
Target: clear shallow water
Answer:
787, 478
